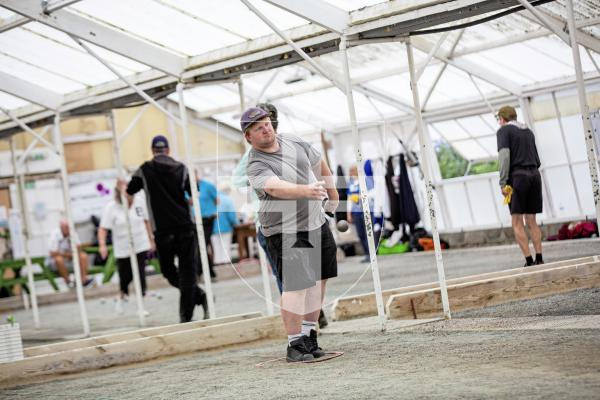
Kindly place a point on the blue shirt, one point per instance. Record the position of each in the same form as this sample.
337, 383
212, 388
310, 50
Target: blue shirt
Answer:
208, 198
226, 215
354, 196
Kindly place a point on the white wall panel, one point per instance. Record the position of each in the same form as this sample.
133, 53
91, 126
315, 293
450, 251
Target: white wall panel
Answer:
562, 192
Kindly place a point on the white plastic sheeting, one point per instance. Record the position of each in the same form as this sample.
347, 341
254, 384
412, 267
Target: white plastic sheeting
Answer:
46, 57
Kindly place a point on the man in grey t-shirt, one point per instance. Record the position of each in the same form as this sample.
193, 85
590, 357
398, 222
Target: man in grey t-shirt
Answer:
293, 184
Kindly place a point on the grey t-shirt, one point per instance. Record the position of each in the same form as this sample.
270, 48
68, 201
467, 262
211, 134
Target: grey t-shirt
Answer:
294, 163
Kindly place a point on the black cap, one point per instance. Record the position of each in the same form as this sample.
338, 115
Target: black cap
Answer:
160, 142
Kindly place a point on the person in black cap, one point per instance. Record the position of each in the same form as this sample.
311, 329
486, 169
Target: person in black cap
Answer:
166, 183
520, 180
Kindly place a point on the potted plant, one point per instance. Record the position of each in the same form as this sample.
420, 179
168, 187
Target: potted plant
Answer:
11, 346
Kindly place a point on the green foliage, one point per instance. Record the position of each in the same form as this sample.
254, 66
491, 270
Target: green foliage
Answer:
484, 167
453, 165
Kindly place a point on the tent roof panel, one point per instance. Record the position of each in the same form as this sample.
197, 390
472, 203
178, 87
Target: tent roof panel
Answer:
9, 102
159, 24
235, 17
37, 75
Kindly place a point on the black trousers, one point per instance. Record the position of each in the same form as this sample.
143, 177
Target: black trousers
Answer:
184, 245
208, 224
126, 274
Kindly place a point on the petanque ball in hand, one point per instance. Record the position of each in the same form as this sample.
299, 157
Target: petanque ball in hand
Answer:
342, 226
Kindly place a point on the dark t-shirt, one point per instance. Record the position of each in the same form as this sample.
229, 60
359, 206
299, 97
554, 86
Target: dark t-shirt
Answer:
521, 143
165, 182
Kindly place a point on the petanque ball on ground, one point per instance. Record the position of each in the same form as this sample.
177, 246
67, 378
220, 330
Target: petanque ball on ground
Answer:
342, 226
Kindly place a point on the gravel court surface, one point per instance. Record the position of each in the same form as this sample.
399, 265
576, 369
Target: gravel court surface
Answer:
61, 321
527, 356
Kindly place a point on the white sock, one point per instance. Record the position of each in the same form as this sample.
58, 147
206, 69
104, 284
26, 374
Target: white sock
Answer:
307, 326
291, 338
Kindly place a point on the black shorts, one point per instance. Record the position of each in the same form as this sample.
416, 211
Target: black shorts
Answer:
303, 258
527, 192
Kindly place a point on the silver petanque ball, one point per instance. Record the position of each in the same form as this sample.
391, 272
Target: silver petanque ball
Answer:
342, 226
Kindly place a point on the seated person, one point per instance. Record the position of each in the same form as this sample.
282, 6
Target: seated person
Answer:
61, 258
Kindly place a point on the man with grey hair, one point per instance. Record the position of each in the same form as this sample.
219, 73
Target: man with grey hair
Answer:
292, 180
61, 257
520, 180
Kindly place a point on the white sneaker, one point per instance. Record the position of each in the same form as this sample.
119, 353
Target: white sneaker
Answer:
119, 306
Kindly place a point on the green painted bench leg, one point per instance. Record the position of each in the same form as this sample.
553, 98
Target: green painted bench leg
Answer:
109, 268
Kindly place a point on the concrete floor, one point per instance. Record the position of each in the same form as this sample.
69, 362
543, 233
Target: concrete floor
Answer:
61, 321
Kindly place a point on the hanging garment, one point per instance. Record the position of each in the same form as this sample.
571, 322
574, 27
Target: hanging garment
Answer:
410, 212
403, 207
342, 188
381, 206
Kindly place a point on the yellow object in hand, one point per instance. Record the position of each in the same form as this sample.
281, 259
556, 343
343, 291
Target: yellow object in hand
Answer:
355, 198
509, 191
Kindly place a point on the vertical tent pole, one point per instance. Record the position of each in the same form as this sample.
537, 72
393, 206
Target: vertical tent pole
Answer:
583, 105
69, 215
195, 202
137, 283
428, 183
20, 190
362, 184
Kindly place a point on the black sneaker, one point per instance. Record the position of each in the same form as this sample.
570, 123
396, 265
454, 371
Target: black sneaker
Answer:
322, 320
538, 262
311, 340
299, 350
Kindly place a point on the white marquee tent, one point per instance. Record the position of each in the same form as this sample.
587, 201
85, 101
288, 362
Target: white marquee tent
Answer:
66, 58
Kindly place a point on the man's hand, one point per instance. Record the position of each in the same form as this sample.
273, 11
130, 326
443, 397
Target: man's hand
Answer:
316, 191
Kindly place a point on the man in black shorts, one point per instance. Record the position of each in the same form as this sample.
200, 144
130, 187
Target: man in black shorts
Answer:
292, 180
519, 162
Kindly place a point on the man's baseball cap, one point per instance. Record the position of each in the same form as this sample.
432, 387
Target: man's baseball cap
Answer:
507, 113
272, 110
250, 116
160, 142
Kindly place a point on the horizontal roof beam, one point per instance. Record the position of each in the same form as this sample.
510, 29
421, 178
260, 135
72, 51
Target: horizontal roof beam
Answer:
30, 92
270, 52
104, 36
17, 20
317, 11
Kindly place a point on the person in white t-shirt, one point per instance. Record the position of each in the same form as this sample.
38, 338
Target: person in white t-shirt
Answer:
113, 218
61, 258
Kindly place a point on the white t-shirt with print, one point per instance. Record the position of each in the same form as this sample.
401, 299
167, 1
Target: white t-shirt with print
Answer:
113, 218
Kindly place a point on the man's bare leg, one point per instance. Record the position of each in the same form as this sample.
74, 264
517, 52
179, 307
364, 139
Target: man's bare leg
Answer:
535, 232
59, 261
520, 234
292, 310
314, 301
536, 237
83, 263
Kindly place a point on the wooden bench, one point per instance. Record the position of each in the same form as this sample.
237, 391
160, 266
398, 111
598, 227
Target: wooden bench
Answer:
16, 266
9, 283
110, 266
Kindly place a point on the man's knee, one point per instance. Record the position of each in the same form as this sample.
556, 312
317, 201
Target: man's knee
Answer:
530, 220
517, 220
